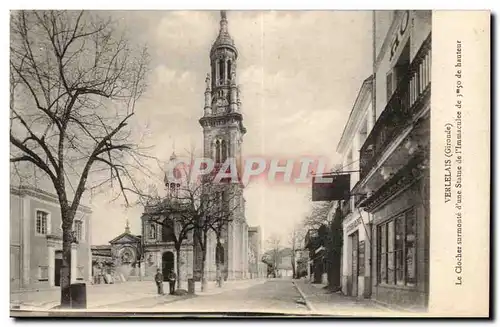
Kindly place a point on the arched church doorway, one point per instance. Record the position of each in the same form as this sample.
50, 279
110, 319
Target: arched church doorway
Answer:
167, 263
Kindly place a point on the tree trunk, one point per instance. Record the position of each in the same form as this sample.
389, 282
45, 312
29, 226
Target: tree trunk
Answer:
203, 260
66, 267
178, 264
218, 259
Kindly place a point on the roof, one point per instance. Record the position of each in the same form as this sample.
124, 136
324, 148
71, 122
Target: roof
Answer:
101, 250
286, 252
366, 88
23, 190
100, 247
223, 39
125, 238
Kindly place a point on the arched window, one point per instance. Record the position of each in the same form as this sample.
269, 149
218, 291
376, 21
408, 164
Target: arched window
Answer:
221, 70
229, 68
224, 151
152, 231
214, 77
217, 151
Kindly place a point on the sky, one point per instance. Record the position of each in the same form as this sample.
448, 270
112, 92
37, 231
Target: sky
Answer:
299, 73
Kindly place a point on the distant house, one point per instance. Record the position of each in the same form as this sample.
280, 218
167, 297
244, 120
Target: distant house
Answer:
285, 263
282, 261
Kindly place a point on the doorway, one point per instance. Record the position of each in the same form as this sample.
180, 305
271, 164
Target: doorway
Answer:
354, 269
168, 264
57, 268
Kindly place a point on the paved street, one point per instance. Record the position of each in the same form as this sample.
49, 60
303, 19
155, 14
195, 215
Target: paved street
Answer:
272, 296
130, 295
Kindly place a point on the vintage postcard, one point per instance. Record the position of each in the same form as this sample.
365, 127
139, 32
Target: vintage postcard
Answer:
250, 163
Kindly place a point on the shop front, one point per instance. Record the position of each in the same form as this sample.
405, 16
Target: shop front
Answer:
401, 246
356, 256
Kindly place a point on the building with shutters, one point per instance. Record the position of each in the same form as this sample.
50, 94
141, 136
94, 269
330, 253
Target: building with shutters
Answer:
394, 165
36, 240
356, 234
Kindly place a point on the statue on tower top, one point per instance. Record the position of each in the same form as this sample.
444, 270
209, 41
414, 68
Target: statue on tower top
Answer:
223, 22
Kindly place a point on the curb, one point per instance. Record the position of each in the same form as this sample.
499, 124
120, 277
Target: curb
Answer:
308, 303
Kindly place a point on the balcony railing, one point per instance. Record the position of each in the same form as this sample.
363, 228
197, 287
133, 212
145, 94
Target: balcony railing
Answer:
407, 100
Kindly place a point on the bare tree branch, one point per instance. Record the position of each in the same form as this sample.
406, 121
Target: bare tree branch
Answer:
74, 84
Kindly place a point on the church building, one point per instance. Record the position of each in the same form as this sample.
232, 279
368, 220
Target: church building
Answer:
223, 130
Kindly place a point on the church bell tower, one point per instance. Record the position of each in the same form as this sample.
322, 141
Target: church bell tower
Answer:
222, 120
223, 131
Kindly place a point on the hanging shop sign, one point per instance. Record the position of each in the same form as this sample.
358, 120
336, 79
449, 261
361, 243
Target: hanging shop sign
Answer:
331, 187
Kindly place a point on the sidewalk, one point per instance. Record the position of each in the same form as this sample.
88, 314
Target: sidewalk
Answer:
324, 302
97, 295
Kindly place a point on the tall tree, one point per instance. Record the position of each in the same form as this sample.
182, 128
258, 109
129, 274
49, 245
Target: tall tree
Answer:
273, 255
74, 84
318, 216
296, 240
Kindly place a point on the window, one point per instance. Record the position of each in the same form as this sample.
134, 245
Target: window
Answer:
398, 250
410, 248
167, 231
221, 70
217, 151
223, 151
79, 273
42, 222
43, 273
78, 229
152, 231
390, 252
396, 242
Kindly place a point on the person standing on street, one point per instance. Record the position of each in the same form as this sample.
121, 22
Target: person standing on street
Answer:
159, 282
171, 280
